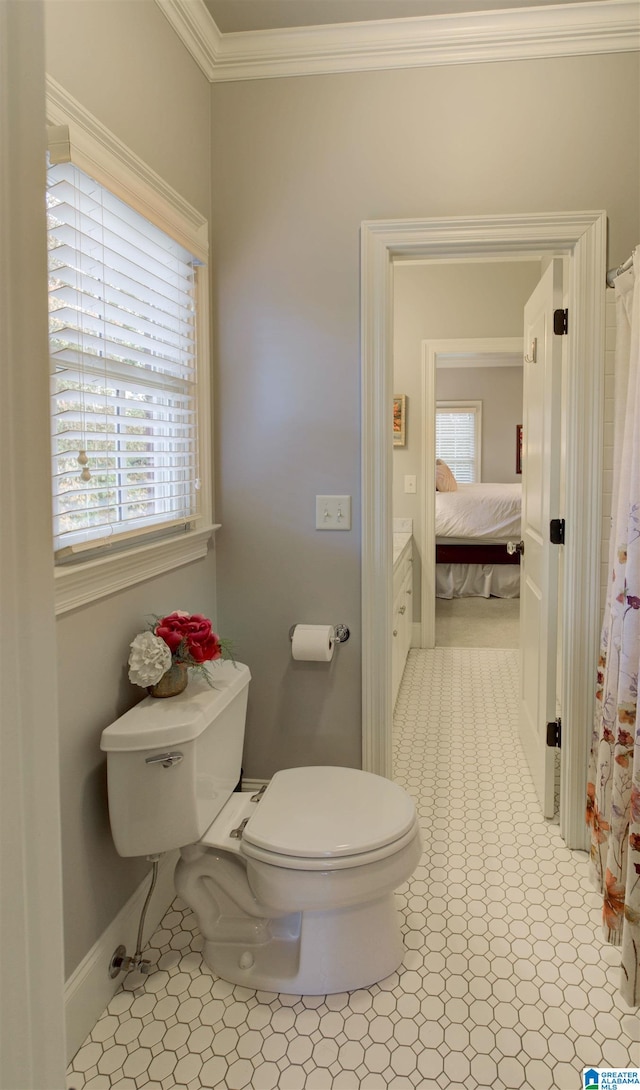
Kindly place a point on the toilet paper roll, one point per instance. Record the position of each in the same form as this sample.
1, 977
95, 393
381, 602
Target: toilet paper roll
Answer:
313, 642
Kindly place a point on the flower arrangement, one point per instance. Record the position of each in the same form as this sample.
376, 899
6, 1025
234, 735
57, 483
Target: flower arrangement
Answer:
183, 640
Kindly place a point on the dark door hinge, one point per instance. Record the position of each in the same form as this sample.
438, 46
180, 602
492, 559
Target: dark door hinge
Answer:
560, 322
556, 531
554, 734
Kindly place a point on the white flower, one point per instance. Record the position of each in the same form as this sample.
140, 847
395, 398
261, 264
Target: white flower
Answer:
150, 658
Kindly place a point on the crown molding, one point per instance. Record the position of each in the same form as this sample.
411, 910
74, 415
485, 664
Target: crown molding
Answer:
600, 26
197, 30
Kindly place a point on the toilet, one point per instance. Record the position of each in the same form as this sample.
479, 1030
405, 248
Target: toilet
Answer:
293, 886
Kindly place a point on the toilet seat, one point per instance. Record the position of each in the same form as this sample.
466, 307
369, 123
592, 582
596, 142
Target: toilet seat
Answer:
328, 863
318, 819
328, 818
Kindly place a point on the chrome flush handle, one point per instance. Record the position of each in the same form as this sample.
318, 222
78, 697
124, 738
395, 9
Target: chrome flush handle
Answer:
167, 760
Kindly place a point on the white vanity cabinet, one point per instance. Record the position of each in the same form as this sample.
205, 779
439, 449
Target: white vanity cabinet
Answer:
402, 612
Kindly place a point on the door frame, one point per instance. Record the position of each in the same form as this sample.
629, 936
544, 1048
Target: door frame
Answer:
581, 237
499, 352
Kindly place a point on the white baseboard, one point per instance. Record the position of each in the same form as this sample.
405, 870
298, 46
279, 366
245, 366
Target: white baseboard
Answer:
90, 988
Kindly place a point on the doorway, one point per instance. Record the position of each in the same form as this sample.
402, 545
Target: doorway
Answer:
581, 237
484, 368
473, 409
477, 402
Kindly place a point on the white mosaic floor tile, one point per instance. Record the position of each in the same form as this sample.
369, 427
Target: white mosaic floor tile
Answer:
505, 983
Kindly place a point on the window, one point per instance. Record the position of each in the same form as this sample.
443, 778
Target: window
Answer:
458, 434
128, 309
124, 404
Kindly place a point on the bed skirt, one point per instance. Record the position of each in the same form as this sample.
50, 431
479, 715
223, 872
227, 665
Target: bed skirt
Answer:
477, 581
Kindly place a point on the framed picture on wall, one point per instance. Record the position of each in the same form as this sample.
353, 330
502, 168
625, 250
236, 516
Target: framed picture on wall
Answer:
400, 421
518, 448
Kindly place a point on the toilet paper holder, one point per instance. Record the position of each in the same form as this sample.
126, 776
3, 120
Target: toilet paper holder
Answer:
341, 631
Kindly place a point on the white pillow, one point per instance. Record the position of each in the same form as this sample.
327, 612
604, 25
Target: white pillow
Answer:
445, 480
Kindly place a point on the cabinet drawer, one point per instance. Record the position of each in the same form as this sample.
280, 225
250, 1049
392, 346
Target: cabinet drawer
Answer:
402, 621
400, 572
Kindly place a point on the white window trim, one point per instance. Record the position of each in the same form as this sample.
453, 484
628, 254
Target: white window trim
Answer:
102, 155
476, 407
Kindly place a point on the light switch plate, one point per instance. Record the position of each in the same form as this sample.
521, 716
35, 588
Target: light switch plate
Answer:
409, 482
333, 512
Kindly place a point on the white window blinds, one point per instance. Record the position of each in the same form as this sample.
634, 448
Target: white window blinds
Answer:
458, 440
124, 370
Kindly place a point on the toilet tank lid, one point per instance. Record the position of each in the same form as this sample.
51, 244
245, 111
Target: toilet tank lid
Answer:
157, 722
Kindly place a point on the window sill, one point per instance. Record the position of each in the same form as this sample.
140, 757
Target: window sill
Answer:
79, 584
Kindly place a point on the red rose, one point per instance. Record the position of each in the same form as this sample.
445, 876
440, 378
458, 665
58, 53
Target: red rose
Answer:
171, 629
203, 644
195, 630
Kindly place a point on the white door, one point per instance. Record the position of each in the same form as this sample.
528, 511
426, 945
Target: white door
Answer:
540, 499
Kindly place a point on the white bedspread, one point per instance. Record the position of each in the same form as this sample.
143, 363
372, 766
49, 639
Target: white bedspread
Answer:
483, 512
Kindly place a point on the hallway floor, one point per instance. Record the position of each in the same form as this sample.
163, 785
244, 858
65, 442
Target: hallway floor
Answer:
478, 622
505, 983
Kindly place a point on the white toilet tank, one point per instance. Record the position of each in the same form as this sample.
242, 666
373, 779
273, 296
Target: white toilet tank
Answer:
173, 763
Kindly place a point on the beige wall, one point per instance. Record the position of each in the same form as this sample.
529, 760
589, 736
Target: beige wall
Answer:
444, 302
298, 164
123, 62
499, 389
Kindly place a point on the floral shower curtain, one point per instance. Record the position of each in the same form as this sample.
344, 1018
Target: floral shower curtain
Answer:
613, 789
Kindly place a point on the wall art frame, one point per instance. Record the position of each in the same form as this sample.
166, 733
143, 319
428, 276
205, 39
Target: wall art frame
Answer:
400, 421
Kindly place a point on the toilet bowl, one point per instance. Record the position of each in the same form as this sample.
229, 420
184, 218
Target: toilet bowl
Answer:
305, 903
293, 887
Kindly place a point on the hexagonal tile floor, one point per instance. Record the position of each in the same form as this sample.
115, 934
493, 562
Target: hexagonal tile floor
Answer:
505, 983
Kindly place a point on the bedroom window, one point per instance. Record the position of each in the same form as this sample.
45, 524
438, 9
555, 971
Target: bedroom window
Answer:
458, 438
130, 438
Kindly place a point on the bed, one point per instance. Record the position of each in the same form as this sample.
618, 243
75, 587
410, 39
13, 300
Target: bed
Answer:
473, 525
